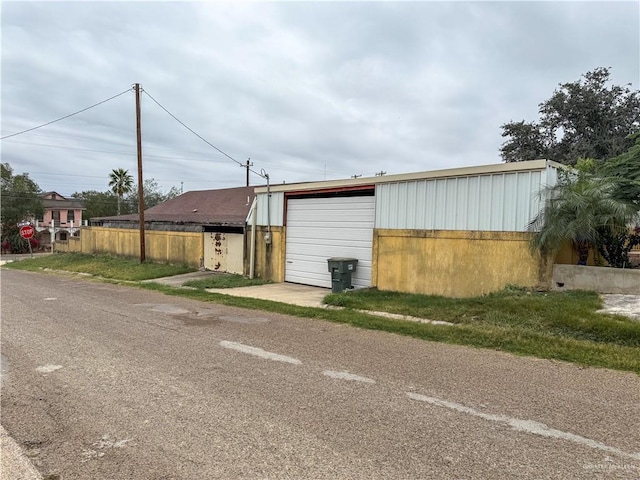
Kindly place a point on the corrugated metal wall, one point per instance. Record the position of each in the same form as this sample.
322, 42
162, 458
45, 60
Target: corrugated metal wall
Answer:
277, 209
496, 202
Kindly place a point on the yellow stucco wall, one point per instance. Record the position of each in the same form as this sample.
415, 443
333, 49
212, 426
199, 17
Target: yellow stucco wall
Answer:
568, 256
160, 246
454, 263
269, 259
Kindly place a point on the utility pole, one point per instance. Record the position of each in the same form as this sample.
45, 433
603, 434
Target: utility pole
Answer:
380, 173
356, 176
248, 164
140, 184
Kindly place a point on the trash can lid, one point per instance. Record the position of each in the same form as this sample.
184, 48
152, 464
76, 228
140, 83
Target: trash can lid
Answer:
342, 259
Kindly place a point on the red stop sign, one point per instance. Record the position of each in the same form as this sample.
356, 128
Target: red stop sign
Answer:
27, 231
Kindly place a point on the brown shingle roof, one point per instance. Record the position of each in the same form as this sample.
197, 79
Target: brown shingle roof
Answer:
228, 206
55, 201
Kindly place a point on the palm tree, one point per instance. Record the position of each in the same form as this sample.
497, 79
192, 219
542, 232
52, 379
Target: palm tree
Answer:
583, 210
121, 183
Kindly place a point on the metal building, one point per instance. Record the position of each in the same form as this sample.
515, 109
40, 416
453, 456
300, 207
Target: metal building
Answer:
319, 220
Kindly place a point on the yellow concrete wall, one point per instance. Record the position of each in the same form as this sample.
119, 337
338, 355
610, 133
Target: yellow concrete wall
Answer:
568, 256
455, 263
269, 259
160, 246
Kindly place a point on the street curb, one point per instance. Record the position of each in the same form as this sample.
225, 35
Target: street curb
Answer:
15, 465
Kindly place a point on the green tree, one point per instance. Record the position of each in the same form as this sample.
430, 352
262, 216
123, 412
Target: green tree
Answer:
582, 119
152, 195
121, 183
20, 202
582, 209
98, 204
624, 170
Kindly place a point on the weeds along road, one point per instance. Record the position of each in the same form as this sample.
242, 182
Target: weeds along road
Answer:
109, 382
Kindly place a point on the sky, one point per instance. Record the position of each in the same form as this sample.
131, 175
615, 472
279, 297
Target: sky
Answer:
307, 91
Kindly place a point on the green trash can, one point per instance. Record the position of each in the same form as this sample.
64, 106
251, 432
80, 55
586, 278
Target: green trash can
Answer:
341, 269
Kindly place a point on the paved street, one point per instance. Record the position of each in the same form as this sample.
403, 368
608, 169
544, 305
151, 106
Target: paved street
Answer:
108, 382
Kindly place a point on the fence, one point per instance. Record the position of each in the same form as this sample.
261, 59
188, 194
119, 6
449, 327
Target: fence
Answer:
161, 246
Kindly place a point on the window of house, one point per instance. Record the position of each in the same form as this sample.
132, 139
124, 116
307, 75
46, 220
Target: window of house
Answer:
63, 236
55, 216
71, 216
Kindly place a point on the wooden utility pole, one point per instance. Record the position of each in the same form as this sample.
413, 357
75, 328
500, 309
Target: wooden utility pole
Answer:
249, 164
140, 183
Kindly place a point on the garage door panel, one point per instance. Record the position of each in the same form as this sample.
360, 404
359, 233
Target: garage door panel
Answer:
321, 228
302, 244
323, 255
340, 214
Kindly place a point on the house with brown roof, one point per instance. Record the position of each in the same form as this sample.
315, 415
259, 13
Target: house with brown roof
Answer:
218, 217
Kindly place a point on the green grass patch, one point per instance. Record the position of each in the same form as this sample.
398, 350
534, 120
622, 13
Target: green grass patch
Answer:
570, 315
225, 280
105, 266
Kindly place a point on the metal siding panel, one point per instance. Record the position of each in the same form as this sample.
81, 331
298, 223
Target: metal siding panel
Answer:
393, 206
462, 192
440, 204
321, 228
382, 205
497, 203
277, 209
389, 206
386, 205
412, 205
430, 207
421, 205
449, 207
525, 196
473, 205
484, 202
401, 206
537, 188
510, 202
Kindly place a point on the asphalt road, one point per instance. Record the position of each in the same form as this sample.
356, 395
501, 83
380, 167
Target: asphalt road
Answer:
108, 382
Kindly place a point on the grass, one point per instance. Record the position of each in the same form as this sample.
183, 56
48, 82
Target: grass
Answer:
225, 280
105, 266
571, 315
563, 326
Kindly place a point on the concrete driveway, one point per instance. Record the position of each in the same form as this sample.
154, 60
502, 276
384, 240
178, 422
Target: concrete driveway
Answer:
292, 293
628, 305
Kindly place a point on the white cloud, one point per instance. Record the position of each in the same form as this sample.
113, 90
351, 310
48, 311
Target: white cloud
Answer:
307, 90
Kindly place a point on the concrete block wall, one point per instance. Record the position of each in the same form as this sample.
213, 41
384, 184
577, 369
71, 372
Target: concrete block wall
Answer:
598, 279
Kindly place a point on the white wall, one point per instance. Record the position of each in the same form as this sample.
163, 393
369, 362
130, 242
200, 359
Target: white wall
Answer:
505, 201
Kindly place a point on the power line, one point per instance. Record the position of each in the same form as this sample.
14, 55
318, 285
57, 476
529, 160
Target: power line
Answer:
66, 116
66, 147
199, 136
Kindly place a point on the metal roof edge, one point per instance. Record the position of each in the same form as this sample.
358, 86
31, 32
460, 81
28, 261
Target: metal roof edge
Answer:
540, 164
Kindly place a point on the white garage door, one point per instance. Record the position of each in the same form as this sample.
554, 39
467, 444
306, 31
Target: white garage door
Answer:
321, 228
